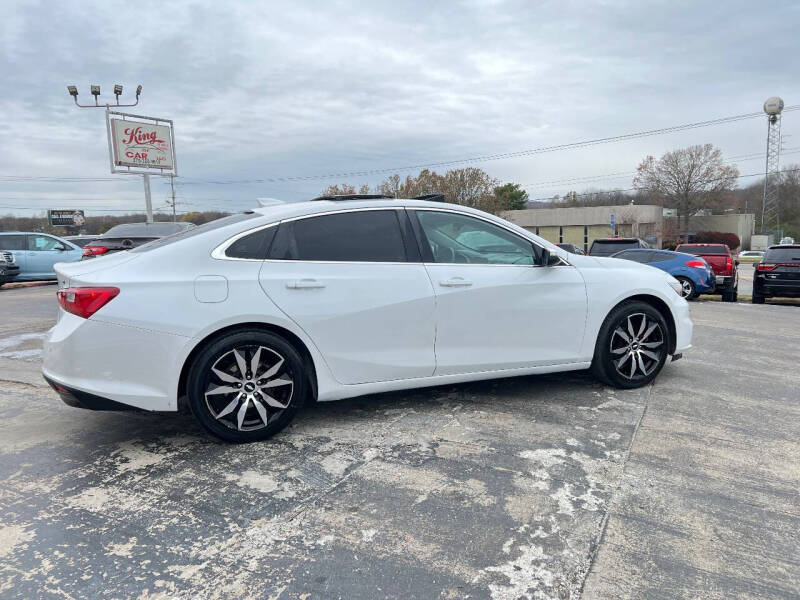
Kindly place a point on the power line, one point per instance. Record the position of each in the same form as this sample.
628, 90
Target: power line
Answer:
474, 159
632, 189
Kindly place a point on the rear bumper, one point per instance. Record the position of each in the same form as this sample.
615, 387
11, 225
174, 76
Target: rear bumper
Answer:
780, 289
80, 399
105, 364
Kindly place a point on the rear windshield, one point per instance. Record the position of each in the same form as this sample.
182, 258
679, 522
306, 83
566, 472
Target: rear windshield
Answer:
210, 226
130, 230
782, 255
695, 249
609, 247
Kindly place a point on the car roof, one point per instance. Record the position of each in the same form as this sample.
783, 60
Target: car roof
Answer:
781, 246
309, 207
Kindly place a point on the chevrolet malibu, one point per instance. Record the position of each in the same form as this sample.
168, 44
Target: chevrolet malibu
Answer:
251, 315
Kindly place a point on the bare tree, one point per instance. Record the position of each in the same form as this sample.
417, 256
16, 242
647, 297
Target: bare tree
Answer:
687, 178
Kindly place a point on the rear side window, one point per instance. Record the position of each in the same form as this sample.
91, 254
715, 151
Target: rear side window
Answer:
695, 249
13, 242
607, 248
640, 257
193, 231
657, 257
782, 255
359, 236
253, 246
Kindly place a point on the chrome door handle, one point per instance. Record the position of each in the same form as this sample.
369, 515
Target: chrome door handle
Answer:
304, 284
455, 282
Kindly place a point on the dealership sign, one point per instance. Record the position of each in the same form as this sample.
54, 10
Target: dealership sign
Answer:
68, 218
141, 144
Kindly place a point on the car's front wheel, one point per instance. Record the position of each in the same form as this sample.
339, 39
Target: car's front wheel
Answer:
632, 346
246, 385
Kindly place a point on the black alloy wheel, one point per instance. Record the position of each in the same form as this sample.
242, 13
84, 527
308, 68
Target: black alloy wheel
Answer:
632, 346
246, 386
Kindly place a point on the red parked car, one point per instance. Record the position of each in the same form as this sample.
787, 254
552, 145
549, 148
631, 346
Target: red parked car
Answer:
722, 262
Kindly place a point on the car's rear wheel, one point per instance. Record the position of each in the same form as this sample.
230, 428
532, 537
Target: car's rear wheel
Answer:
730, 294
687, 288
246, 386
632, 346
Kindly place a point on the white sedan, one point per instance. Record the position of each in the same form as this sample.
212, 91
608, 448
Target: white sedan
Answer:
252, 315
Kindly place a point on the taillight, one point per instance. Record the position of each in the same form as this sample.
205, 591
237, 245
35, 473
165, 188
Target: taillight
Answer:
729, 264
697, 264
94, 250
762, 267
84, 302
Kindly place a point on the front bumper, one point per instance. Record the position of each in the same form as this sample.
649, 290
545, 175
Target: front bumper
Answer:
684, 327
8, 272
98, 361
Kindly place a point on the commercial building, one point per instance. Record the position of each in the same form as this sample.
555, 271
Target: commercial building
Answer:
581, 226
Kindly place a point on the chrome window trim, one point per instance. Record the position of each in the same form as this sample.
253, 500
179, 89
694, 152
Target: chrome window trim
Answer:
219, 252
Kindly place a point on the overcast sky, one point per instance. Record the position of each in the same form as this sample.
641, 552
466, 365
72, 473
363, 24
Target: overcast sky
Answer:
266, 90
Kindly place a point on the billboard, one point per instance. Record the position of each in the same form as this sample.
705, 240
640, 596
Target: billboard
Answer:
141, 144
66, 217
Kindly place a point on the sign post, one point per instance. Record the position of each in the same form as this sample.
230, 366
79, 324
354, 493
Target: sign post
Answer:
139, 145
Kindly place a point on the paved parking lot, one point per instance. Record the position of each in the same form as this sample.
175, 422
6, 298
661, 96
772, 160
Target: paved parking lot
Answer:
535, 487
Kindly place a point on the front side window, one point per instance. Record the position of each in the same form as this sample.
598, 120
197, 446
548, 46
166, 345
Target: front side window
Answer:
455, 238
41, 243
358, 236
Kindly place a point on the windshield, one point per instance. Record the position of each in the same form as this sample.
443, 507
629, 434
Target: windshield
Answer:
778, 255
182, 235
609, 247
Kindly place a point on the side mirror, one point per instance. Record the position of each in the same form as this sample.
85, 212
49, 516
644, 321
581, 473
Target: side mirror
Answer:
60, 247
545, 257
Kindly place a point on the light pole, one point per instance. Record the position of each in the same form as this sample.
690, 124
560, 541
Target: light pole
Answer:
94, 90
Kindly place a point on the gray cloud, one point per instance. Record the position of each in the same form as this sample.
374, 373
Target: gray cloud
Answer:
261, 90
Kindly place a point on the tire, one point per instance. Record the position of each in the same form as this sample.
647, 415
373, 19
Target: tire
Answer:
757, 299
729, 294
612, 343
688, 290
271, 395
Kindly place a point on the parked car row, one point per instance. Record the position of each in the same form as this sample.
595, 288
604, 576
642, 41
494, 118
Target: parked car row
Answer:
711, 268
30, 256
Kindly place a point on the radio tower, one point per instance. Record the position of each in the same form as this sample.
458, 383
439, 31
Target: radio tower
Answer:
770, 219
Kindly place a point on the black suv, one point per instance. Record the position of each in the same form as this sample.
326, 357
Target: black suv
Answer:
609, 246
778, 274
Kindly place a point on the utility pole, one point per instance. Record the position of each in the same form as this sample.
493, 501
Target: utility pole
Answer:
172, 187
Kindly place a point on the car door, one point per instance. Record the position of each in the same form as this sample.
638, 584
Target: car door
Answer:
496, 306
353, 282
18, 246
42, 255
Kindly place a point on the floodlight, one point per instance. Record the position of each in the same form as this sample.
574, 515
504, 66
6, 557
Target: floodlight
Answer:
117, 89
138, 91
73, 91
95, 90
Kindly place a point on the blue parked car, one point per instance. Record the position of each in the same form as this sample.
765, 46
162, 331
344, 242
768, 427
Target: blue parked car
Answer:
36, 253
694, 273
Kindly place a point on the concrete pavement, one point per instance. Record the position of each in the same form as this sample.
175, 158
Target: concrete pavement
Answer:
535, 487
